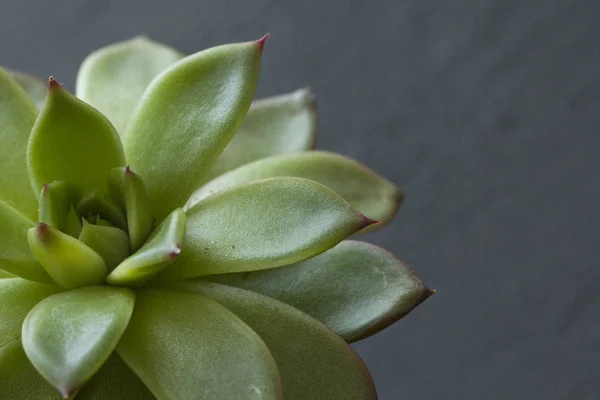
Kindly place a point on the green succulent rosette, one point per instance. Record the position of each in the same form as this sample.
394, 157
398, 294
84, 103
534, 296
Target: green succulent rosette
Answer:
164, 237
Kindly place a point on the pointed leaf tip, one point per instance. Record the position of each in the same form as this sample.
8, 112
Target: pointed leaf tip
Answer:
261, 42
129, 171
53, 83
366, 221
42, 228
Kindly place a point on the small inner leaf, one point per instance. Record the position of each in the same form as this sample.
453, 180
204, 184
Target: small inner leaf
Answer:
95, 205
161, 250
133, 191
72, 141
111, 243
68, 336
69, 262
56, 202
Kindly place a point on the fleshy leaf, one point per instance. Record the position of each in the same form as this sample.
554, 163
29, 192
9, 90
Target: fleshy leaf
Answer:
209, 353
356, 288
313, 362
68, 336
275, 125
15, 256
6, 275
115, 381
94, 204
113, 78
18, 378
17, 116
264, 224
368, 192
56, 202
128, 189
17, 297
72, 141
112, 244
74, 224
34, 87
69, 262
187, 116
161, 250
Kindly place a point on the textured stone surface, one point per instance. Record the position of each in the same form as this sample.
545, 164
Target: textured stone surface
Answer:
485, 112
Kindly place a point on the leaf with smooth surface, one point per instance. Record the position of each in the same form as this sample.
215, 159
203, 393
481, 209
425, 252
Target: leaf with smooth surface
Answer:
68, 336
275, 125
313, 362
369, 193
186, 117
17, 297
264, 224
69, 262
185, 346
356, 289
112, 244
15, 256
35, 88
72, 141
17, 116
113, 78
161, 250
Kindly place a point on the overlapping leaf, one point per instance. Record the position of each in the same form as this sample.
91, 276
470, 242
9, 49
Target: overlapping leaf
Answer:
185, 346
187, 116
261, 225
356, 288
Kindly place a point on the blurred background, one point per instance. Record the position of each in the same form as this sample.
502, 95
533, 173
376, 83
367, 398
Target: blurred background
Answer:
486, 112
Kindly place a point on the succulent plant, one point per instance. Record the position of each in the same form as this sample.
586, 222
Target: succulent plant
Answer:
147, 252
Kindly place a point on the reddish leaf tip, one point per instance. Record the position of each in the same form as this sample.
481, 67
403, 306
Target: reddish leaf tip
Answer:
128, 171
44, 188
53, 83
42, 228
366, 221
261, 42
175, 252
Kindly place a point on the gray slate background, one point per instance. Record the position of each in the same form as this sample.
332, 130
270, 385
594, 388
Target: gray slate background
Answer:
486, 112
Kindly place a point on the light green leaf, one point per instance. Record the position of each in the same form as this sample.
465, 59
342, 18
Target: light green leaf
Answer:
35, 88
74, 224
94, 204
185, 346
161, 250
275, 125
356, 288
264, 224
187, 116
17, 297
56, 202
68, 336
113, 78
313, 362
72, 141
19, 380
15, 256
368, 192
112, 244
68, 261
17, 116
115, 381
129, 190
